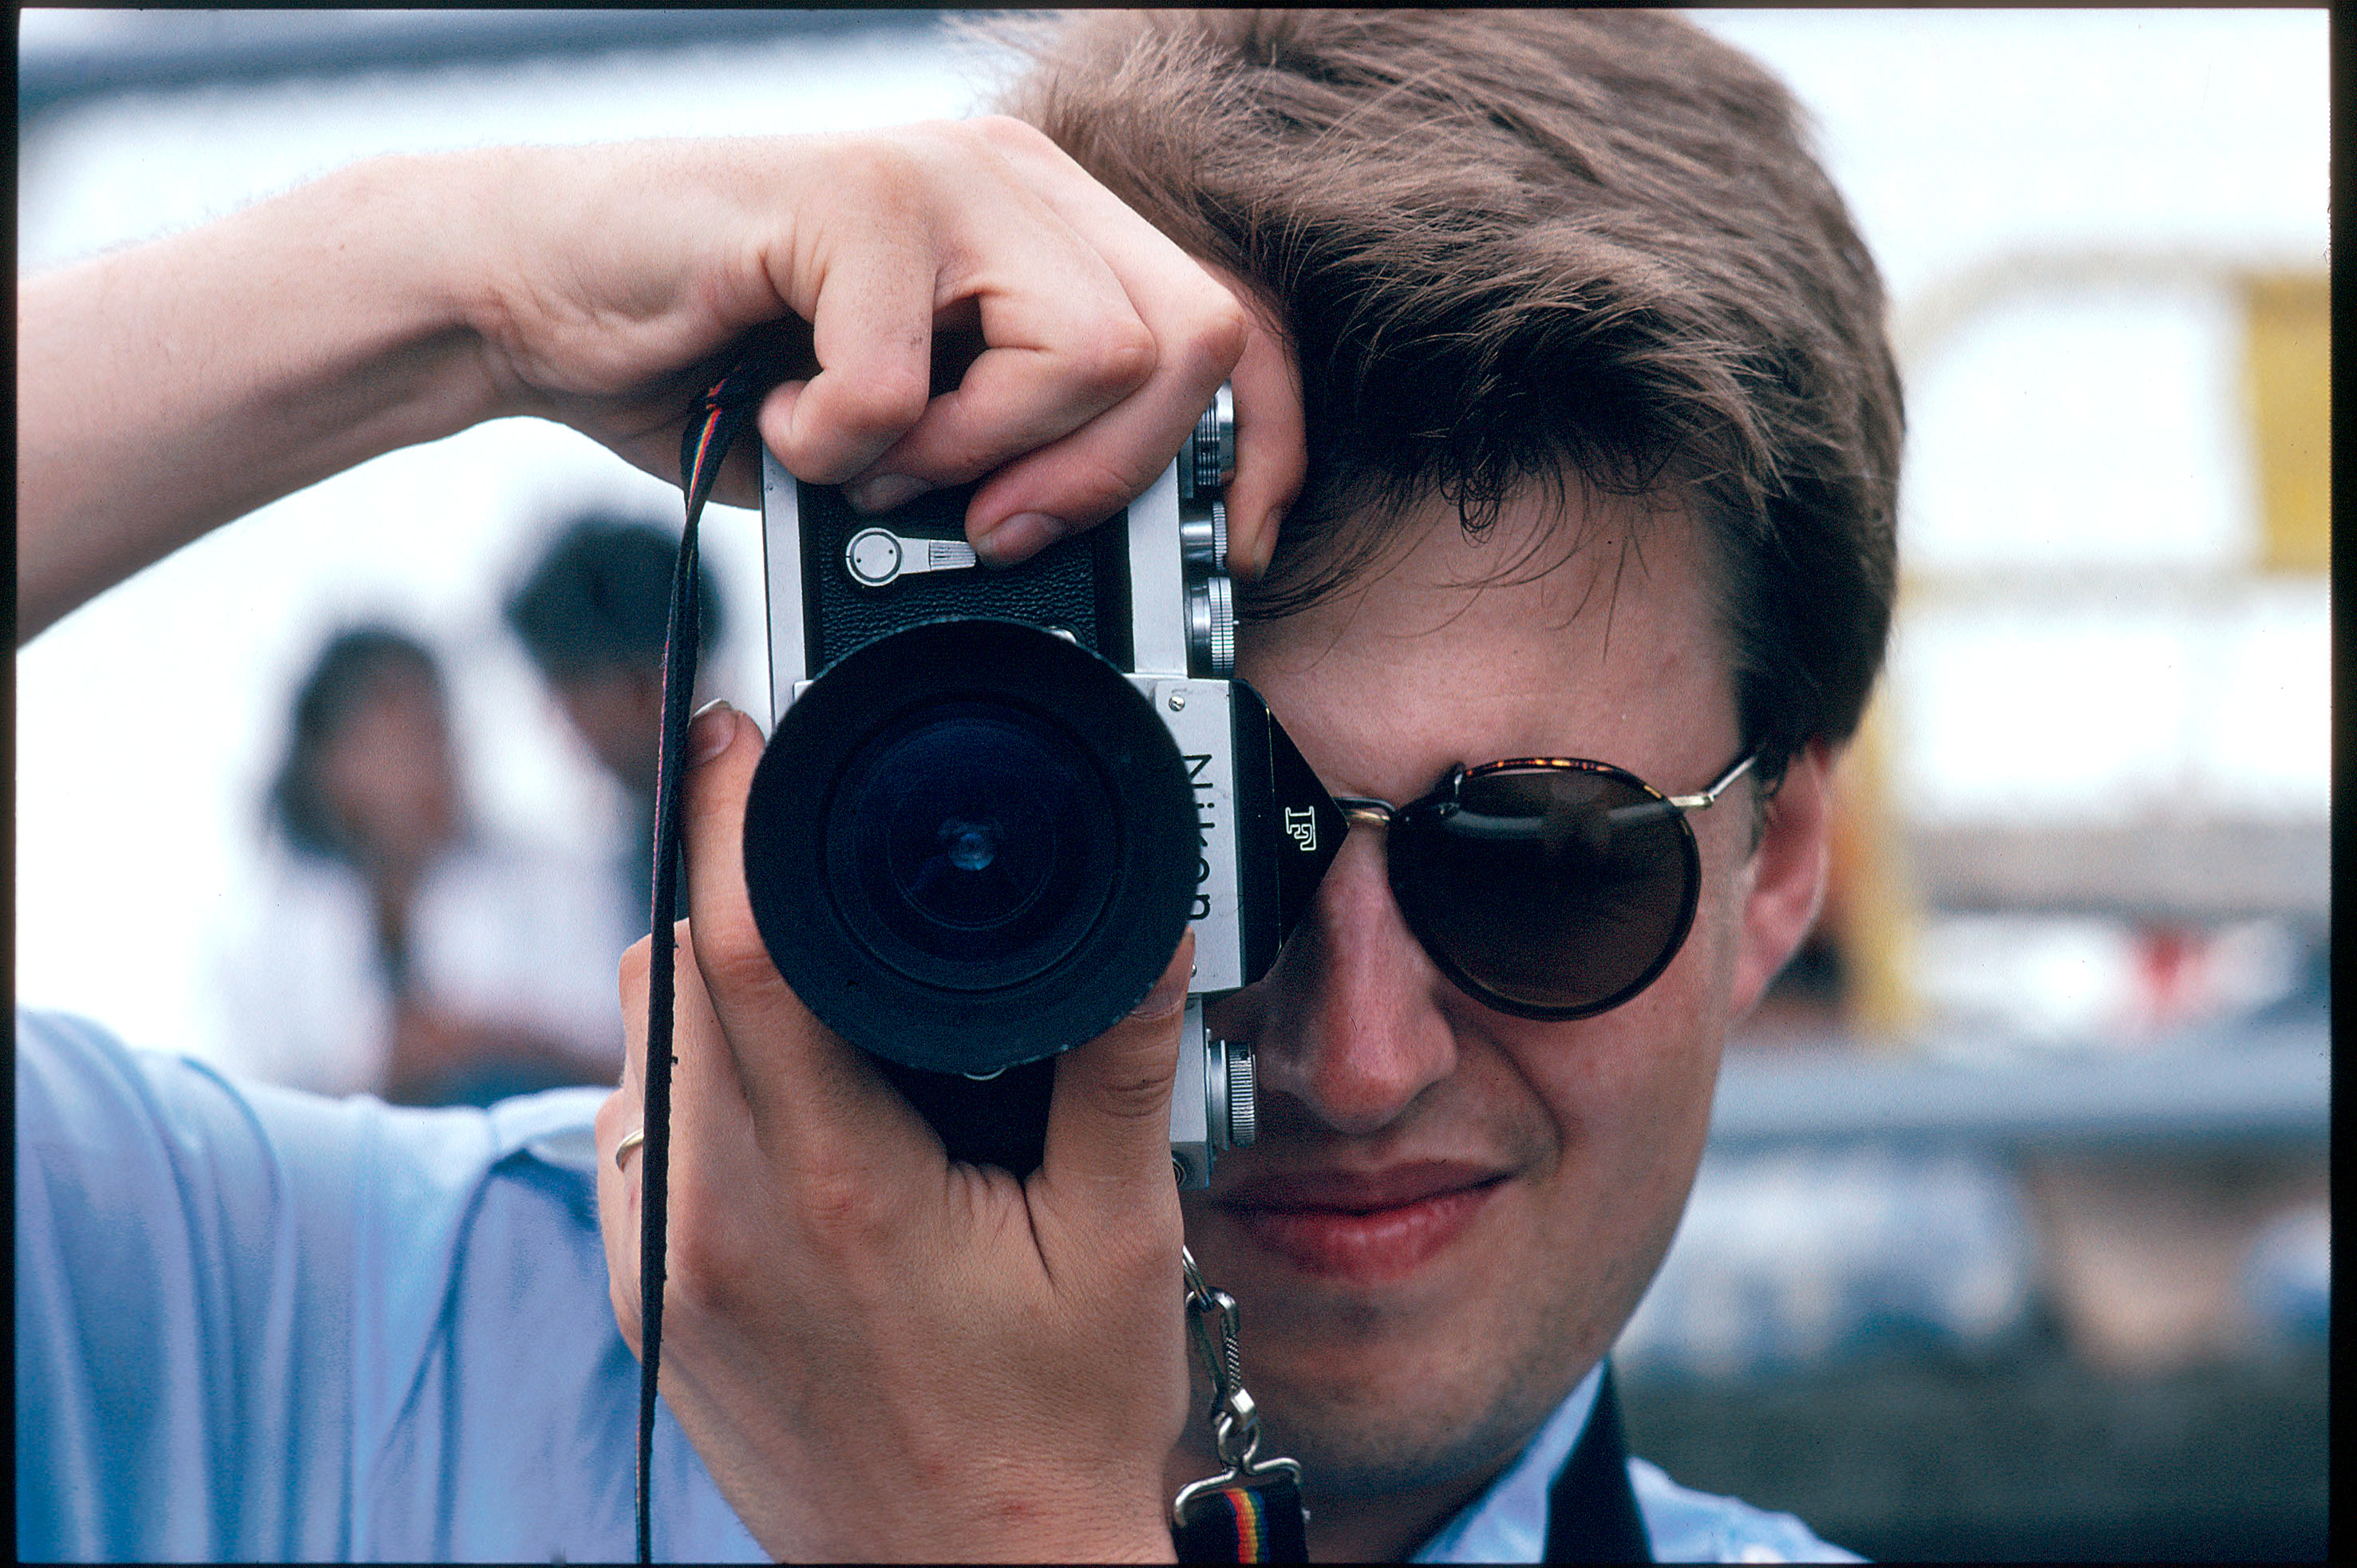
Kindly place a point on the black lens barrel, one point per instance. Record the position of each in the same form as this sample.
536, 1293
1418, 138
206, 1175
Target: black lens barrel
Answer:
971, 844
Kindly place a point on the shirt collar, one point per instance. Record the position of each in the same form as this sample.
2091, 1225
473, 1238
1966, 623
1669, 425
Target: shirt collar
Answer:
1508, 1523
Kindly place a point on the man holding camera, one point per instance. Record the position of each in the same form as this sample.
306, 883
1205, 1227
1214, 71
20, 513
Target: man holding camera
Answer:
1558, 360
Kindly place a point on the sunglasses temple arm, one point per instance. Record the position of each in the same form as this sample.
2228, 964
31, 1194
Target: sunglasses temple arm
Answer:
1709, 795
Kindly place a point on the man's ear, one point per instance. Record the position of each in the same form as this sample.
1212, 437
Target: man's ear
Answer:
1788, 876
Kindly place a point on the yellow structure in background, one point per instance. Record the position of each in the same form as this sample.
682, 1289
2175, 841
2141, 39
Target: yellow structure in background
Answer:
1874, 909
2288, 378
1872, 901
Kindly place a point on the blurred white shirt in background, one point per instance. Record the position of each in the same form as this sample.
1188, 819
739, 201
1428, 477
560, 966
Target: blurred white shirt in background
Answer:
501, 933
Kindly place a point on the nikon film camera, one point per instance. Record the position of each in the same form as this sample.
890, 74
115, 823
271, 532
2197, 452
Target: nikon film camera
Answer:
994, 797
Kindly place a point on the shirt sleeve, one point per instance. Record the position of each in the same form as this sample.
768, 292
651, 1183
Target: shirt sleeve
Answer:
171, 1321
259, 1324
229, 1300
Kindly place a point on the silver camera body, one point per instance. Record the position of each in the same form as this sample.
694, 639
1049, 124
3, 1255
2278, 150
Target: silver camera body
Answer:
914, 908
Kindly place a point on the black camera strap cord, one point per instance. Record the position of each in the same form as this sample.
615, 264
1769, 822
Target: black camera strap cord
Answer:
1251, 1512
728, 408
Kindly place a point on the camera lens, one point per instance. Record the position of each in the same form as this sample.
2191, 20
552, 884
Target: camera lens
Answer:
971, 847
970, 844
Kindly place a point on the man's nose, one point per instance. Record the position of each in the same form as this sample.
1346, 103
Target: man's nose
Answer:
1354, 1032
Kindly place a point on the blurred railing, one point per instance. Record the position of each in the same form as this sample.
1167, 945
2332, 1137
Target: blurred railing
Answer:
2176, 856
2270, 1083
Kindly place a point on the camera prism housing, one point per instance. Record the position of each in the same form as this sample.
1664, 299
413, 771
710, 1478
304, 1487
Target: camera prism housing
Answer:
994, 797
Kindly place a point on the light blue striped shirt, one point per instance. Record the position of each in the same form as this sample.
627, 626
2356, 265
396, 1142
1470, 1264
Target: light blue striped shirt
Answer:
253, 1324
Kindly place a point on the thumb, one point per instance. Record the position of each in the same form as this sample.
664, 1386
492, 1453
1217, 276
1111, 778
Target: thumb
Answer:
1109, 1123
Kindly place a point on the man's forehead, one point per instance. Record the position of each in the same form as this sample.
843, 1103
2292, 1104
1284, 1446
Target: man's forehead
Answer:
1544, 568
1541, 635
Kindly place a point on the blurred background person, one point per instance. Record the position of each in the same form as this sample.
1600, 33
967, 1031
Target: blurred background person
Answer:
593, 613
396, 948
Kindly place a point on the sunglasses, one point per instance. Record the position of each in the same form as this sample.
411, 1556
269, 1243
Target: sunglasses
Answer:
1546, 887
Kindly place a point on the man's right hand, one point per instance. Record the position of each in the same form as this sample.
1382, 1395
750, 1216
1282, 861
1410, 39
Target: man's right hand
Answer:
166, 389
634, 269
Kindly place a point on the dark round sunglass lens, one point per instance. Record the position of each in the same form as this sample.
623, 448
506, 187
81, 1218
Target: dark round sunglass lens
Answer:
1553, 891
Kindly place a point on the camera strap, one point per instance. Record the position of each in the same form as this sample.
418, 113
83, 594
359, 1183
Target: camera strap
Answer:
728, 407
1251, 1512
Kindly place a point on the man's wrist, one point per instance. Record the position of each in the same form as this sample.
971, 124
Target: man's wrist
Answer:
430, 235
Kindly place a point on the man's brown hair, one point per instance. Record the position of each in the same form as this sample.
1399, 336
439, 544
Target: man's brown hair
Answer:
1531, 246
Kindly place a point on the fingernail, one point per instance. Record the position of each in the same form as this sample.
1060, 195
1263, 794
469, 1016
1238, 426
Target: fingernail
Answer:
884, 492
710, 731
1169, 992
1019, 537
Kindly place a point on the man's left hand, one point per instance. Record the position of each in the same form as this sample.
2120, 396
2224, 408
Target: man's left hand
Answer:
878, 1352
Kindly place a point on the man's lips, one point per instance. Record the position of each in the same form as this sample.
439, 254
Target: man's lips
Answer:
1366, 1227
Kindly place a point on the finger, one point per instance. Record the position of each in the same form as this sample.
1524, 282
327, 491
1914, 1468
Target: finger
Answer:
1193, 329
719, 1233
638, 962
1271, 455
1063, 341
809, 1094
1030, 388
617, 1209
1272, 446
1079, 481
869, 300
624, 1112
1108, 1149
946, 228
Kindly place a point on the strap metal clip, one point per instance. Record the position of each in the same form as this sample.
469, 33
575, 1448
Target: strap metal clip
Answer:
1212, 1318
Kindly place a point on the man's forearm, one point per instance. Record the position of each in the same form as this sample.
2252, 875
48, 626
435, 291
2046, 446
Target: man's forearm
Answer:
166, 389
